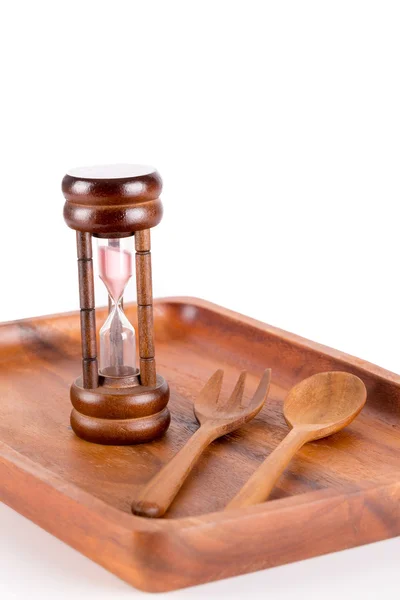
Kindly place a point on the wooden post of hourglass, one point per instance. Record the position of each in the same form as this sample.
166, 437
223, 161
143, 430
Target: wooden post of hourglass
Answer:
145, 307
90, 375
114, 202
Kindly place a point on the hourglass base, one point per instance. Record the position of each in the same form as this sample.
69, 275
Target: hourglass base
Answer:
120, 413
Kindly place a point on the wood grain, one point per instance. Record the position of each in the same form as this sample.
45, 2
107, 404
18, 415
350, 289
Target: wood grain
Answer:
337, 493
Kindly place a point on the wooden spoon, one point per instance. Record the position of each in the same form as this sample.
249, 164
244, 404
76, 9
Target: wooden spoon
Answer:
315, 408
216, 418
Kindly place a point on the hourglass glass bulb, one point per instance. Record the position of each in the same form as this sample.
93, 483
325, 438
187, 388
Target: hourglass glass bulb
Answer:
117, 336
115, 268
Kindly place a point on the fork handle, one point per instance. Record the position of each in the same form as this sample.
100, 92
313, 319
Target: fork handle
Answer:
259, 486
157, 496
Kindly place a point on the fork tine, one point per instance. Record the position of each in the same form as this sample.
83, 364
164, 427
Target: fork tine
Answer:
235, 398
262, 390
212, 388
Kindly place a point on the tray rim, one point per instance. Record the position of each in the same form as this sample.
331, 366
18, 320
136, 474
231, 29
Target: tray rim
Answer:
164, 530
294, 338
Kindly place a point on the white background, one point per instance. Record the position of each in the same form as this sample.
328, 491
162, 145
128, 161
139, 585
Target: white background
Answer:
276, 129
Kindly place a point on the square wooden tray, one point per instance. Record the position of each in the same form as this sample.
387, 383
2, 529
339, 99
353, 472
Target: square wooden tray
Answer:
337, 493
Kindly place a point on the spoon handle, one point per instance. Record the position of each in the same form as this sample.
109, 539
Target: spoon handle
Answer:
259, 486
156, 497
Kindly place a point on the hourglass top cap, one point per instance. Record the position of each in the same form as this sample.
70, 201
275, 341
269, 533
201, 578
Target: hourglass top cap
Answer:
111, 199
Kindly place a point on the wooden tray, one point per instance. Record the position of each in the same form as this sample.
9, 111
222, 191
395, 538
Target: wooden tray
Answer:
337, 493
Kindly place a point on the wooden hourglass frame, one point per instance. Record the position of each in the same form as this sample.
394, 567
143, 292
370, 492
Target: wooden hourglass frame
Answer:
114, 202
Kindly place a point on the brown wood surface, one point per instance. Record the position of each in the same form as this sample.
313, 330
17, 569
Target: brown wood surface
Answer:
101, 201
339, 492
90, 375
145, 308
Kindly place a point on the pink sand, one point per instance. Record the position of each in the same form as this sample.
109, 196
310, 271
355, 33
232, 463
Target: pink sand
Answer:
115, 269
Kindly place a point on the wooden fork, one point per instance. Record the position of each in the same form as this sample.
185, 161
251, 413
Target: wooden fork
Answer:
216, 418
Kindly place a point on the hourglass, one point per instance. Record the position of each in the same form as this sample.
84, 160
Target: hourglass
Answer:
114, 402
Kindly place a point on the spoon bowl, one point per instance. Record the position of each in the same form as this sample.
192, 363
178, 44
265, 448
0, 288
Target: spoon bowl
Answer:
325, 403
